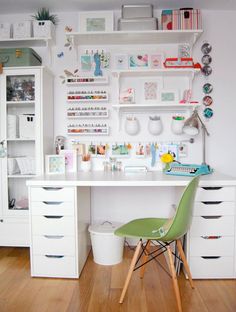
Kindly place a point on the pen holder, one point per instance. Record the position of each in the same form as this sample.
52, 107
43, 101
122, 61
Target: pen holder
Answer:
131, 125
155, 125
86, 165
177, 124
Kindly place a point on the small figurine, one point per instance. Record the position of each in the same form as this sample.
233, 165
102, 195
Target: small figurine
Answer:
97, 71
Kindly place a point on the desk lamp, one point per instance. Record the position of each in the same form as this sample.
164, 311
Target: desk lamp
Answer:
192, 127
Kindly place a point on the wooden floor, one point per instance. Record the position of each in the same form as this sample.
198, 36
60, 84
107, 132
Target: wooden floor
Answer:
99, 289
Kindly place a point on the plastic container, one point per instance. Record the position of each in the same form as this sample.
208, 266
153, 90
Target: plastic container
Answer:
136, 10
107, 247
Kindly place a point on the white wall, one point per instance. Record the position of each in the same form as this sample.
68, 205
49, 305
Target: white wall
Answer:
221, 150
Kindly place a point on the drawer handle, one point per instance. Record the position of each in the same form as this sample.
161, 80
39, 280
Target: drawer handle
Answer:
210, 257
211, 237
211, 202
211, 217
52, 203
212, 188
52, 188
54, 236
53, 217
54, 256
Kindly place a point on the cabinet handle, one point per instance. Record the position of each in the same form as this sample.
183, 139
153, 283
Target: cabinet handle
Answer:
210, 257
52, 203
52, 188
54, 256
53, 217
212, 188
211, 217
54, 236
211, 202
211, 237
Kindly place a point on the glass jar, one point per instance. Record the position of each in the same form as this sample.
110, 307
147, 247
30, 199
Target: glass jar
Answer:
118, 165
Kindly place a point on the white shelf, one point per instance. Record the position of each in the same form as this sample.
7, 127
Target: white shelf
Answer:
20, 103
21, 139
21, 176
25, 42
92, 80
135, 37
88, 100
190, 72
160, 105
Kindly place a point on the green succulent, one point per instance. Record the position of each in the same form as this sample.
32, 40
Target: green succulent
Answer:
44, 15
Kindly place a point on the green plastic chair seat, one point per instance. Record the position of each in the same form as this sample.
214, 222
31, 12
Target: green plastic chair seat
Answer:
147, 228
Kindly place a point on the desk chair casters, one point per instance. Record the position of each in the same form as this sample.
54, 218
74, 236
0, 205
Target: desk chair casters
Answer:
164, 232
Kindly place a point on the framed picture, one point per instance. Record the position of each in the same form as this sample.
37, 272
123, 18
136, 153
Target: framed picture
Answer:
120, 150
101, 150
96, 21
169, 95
55, 164
151, 89
156, 61
70, 160
121, 61
138, 61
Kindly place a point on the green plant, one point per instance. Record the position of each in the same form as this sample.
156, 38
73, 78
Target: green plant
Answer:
44, 15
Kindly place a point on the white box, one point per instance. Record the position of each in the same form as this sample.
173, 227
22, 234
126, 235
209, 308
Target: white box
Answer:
43, 29
5, 30
22, 29
12, 166
12, 126
27, 126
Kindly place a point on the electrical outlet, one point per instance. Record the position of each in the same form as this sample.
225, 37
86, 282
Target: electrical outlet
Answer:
183, 150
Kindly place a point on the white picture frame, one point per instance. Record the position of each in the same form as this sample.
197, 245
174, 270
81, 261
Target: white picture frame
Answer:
156, 60
138, 60
151, 88
70, 159
55, 164
121, 61
169, 95
92, 21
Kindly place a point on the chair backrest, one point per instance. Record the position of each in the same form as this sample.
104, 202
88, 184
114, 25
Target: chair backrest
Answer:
179, 224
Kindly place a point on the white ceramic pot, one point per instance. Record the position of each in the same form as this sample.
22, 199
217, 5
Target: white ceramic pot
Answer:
131, 126
86, 165
177, 126
155, 125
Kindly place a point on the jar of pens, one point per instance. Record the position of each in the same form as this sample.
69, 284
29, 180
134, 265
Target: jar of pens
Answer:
86, 164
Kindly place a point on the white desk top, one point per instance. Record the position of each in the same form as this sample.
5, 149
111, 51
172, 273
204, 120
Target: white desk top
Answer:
100, 178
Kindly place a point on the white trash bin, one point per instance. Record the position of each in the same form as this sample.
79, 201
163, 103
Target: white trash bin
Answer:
107, 247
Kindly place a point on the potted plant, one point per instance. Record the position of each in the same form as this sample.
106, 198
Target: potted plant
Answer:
44, 23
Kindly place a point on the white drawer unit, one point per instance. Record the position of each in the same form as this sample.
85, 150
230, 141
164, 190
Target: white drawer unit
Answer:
211, 238
59, 218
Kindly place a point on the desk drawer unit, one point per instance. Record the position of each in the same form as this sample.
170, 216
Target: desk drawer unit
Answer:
211, 238
53, 232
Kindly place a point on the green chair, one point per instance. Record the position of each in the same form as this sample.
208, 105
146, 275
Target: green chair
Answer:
164, 231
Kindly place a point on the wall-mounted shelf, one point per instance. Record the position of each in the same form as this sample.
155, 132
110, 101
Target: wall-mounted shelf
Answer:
26, 42
88, 129
21, 139
87, 112
135, 37
81, 81
176, 72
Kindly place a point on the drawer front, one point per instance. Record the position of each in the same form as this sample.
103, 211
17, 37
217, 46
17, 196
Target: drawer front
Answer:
203, 246
53, 244
54, 266
53, 225
222, 267
214, 208
52, 194
52, 208
223, 226
226, 193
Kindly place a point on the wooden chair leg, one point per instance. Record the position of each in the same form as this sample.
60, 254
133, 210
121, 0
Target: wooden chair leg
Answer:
174, 279
186, 266
131, 268
144, 259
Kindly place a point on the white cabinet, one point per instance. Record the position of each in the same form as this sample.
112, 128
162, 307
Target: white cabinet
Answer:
211, 238
59, 220
26, 128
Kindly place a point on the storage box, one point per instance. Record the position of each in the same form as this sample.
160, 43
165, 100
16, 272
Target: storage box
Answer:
12, 126
138, 24
27, 126
166, 19
5, 30
43, 29
19, 57
22, 29
136, 10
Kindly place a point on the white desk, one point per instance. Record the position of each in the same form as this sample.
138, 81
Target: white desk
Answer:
60, 213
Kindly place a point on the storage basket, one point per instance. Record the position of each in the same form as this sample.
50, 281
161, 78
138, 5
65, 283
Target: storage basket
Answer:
5, 30
26, 126
22, 29
43, 29
26, 165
